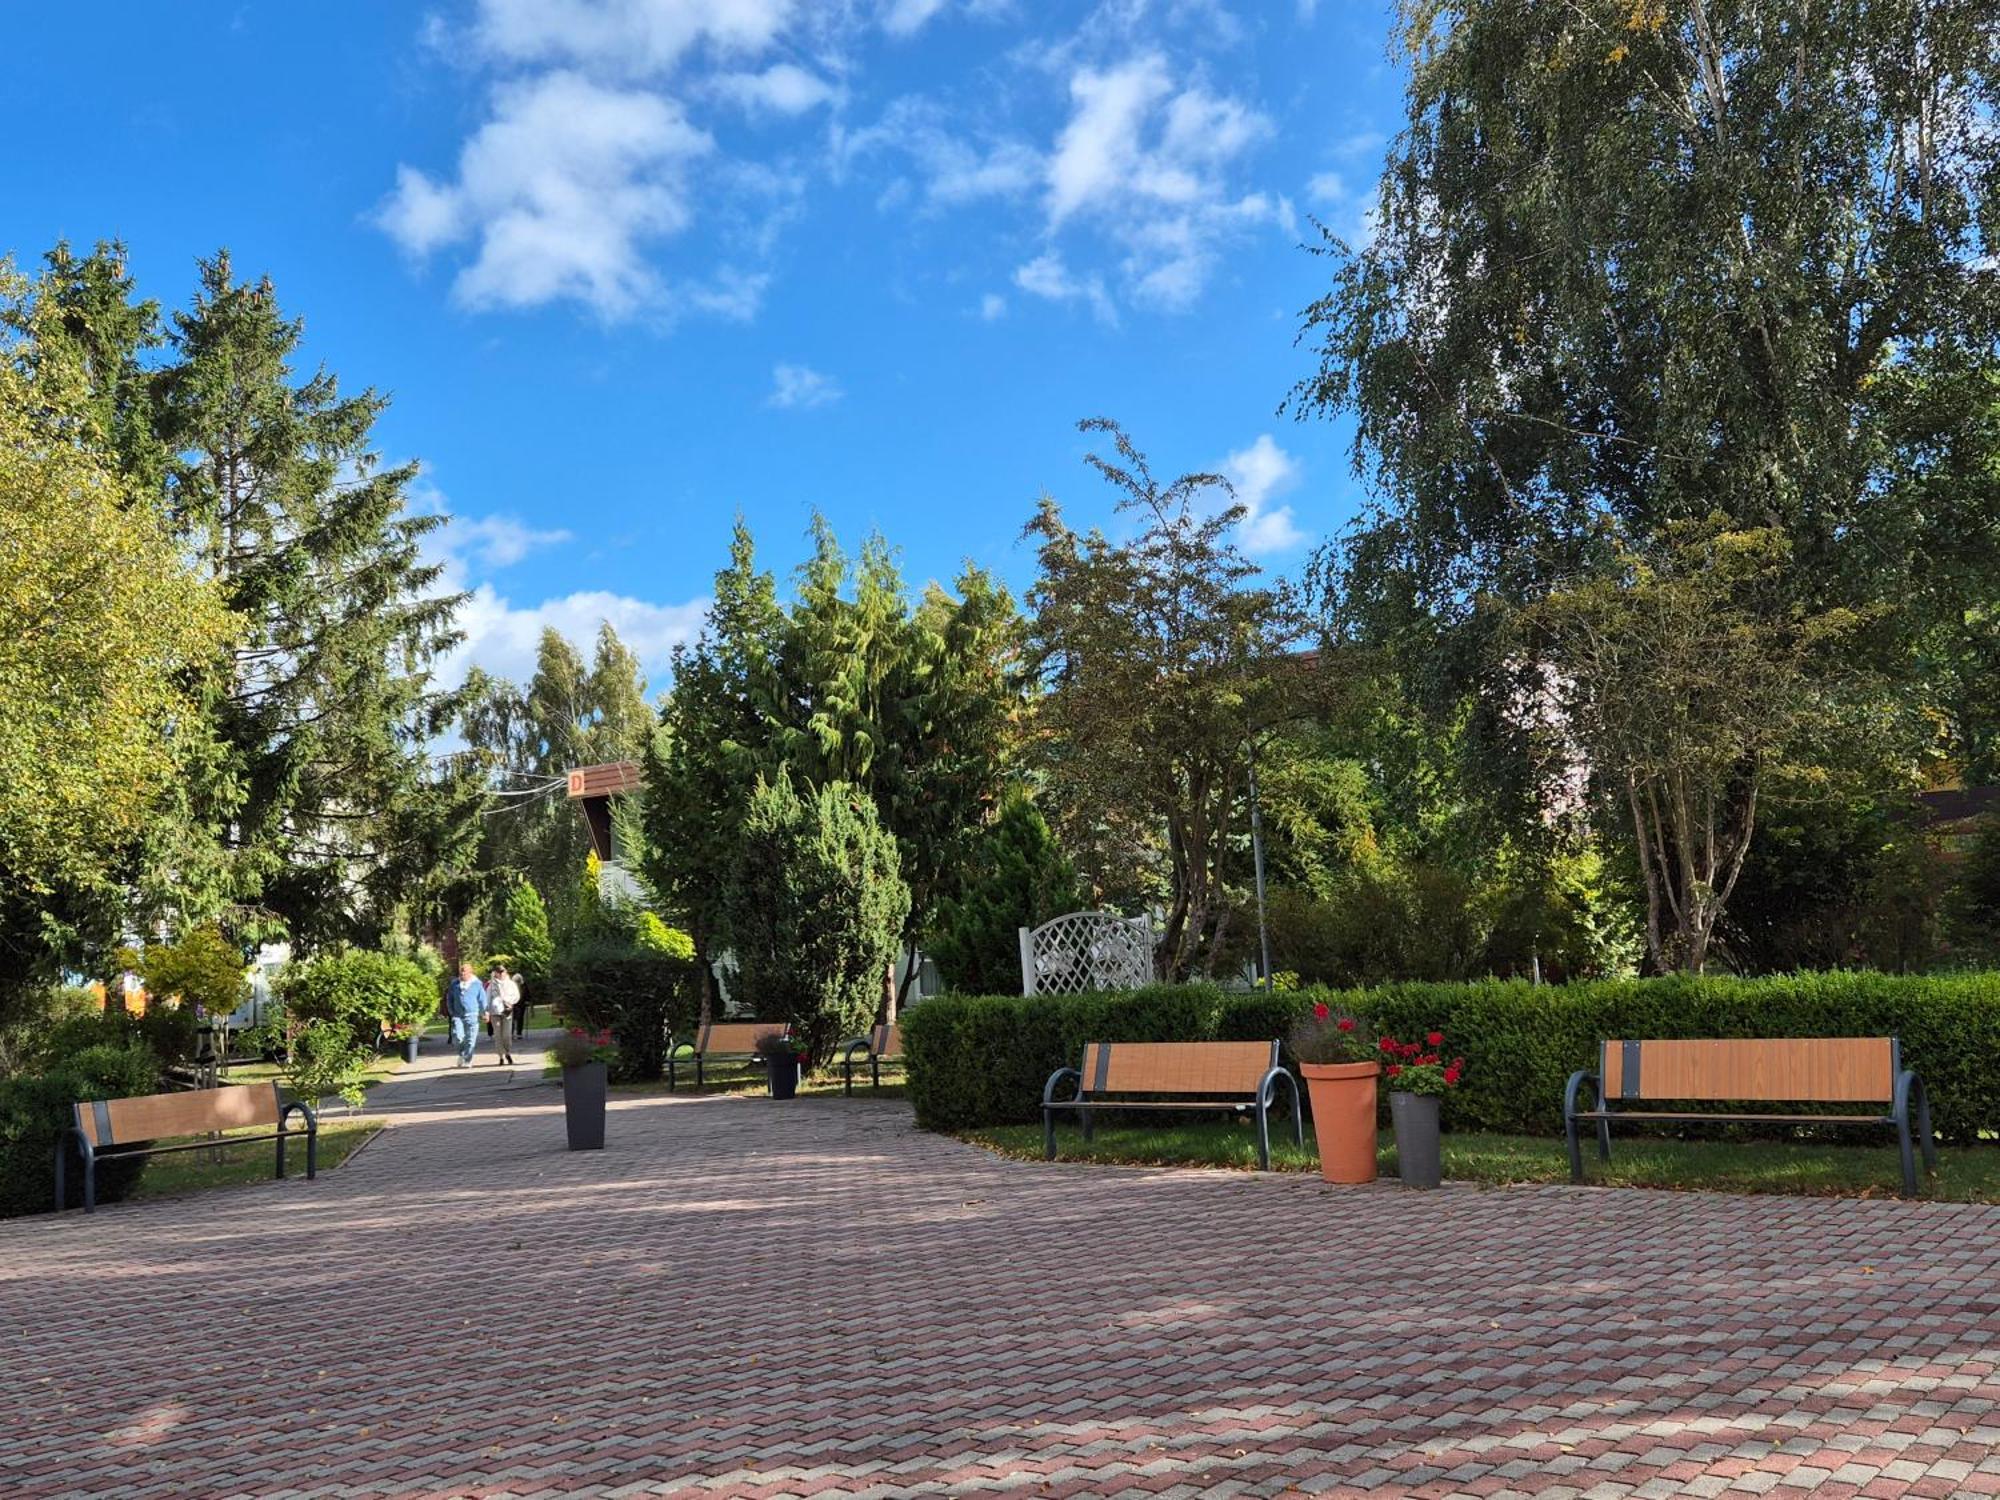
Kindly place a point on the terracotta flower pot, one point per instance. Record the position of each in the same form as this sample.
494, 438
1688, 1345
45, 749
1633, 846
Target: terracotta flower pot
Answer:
1343, 1101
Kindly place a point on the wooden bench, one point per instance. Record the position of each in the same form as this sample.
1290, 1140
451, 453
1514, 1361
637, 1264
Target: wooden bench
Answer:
880, 1043
1232, 1076
722, 1041
1815, 1070
128, 1127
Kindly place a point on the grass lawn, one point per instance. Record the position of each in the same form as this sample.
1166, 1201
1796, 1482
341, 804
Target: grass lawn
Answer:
1637, 1160
252, 1161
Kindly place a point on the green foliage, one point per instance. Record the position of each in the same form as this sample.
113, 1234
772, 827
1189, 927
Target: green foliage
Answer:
1160, 659
983, 1060
1016, 877
909, 706
358, 989
814, 911
320, 1058
572, 713
644, 998
35, 1110
204, 969
1975, 915
524, 935
652, 935
106, 628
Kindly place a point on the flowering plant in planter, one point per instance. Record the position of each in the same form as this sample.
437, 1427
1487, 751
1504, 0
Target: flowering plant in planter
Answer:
576, 1047
1420, 1067
1325, 1037
776, 1046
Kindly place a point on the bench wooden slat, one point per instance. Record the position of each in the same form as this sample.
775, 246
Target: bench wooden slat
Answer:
886, 1041
1819, 1070
1175, 1067
734, 1036
192, 1112
1643, 1114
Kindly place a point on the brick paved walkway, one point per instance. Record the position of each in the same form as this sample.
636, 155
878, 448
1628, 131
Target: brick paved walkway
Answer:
754, 1299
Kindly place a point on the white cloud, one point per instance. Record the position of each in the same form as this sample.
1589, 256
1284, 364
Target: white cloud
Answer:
781, 89
626, 37
955, 169
905, 17
501, 636
1097, 155
992, 307
797, 387
501, 541
560, 189
1327, 188
1147, 158
1047, 276
1260, 473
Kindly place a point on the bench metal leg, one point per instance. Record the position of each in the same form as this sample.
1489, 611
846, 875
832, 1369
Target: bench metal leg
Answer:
874, 1071
1089, 1123
1604, 1140
1909, 1157
1575, 1148
672, 1071
62, 1165
847, 1076
1048, 1133
700, 1077
1924, 1133
1263, 1138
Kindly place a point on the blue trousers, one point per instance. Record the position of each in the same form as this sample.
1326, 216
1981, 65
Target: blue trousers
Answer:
465, 1036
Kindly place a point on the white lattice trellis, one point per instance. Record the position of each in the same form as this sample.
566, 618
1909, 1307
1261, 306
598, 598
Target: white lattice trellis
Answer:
1086, 950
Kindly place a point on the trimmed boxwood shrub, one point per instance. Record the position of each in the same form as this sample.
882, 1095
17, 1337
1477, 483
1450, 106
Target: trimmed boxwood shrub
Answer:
983, 1061
35, 1110
642, 997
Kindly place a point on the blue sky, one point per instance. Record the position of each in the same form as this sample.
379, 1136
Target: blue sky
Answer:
628, 267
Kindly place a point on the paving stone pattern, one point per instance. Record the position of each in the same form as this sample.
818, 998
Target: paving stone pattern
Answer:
754, 1299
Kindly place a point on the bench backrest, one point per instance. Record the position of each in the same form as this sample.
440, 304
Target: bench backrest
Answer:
1821, 1070
886, 1041
1176, 1067
735, 1036
152, 1117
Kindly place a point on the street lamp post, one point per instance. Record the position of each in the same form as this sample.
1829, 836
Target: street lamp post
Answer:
1257, 860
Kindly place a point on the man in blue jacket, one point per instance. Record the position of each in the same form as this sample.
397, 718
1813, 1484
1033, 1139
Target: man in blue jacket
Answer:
465, 1004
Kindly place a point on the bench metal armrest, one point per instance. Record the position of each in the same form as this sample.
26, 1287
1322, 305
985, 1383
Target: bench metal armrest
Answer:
1575, 1085
1049, 1099
311, 1115
848, 1048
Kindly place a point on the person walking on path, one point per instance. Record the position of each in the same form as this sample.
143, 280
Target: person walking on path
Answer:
520, 1005
501, 995
465, 1003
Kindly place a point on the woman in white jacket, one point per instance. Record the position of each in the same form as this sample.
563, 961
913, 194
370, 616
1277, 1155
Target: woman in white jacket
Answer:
502, 995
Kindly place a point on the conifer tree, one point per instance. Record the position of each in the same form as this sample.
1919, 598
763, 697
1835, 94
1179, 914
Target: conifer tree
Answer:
1018, 877
323, 798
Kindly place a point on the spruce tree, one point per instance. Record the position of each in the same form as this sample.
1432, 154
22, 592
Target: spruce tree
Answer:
1018, 878
324, 800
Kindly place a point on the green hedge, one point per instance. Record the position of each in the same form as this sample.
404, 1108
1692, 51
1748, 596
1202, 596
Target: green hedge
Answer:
35, 1110
983, 1060
640, 996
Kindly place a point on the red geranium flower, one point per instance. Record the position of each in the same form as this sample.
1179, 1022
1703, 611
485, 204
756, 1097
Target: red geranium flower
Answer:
1436, 1038
1347, 1023
1388, 1044
1321, 1010
1451, 1075
1394, 1069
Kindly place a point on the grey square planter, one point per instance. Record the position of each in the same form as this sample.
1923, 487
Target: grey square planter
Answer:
583, 1105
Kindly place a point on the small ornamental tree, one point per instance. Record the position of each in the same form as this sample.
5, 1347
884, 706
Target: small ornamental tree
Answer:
814, 907
524, 934
203, 969
1019, 877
